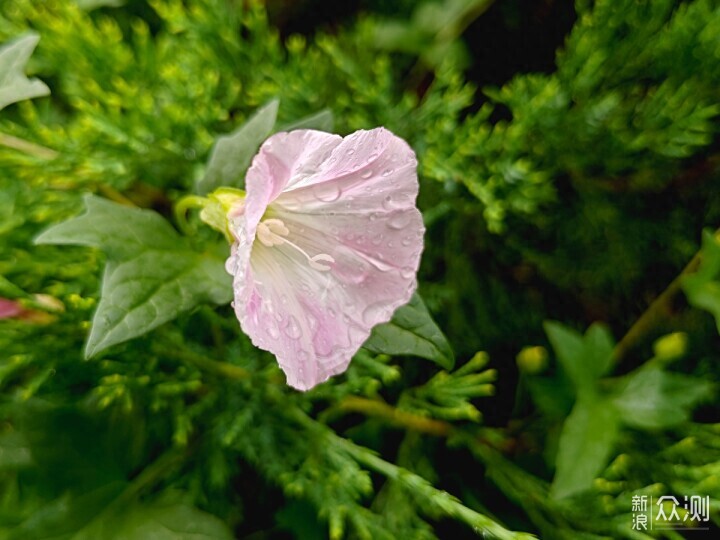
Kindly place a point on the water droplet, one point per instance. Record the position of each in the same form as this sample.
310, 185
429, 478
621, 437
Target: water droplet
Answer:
388, 172
273, 331
372, 157
390, 244
327, 192
350, 151
399, 221
292, 328
373, 216
361, 239
356, 335
377, 240
407, 272
366, 174
349, 267
406, 241
373, 313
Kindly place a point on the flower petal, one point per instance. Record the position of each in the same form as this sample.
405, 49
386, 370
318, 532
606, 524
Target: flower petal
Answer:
366, 241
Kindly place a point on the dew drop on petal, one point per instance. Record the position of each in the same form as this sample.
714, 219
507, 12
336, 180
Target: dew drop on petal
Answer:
373, 313
350, 151
355, 334
407, 272
327, 192
387, 172
377, 240
292, 328
349, 267
366, 174
399, 221
273, 331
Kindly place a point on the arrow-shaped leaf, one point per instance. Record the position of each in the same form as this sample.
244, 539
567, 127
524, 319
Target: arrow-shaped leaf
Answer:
151, 275
14, 85
231, 155
413, 332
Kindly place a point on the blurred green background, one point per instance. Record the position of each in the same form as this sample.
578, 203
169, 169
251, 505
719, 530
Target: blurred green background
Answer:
569, 164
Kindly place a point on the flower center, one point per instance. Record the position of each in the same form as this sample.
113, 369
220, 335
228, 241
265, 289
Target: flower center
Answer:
273, 232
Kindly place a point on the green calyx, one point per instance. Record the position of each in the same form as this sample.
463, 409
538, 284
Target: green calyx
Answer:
214, 209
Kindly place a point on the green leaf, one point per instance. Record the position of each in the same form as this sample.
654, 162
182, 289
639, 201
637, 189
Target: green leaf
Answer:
63, 517
584, 358
654, 399
14, 85
176, 521
151, 275
89, 5
14, 451
585, 444
703, 287
231, 155
321, 121
412, 332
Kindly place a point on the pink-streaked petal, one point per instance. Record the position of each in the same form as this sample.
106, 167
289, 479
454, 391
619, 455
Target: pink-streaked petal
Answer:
281, 157
349, 209
368, 171
315, 321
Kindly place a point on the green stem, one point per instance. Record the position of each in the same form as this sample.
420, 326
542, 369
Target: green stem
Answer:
432, 500
27, 147
114, 195
209, 365
181, 210
396, 417
657, 311
148, 477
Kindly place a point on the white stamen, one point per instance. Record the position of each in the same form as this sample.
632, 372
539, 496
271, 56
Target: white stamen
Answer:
272, 232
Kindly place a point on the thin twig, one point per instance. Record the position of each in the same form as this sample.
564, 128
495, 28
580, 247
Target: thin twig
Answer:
394, 416
27, 147
656, 312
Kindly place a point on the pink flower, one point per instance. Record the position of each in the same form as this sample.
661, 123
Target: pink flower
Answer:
9, 308
327, 245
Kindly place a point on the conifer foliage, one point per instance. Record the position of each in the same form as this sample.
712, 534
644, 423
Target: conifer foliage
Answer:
558, 362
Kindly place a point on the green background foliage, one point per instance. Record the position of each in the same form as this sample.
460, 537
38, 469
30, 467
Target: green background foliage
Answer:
560, 358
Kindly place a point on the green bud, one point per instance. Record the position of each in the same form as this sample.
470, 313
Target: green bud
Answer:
532, 360
671, 346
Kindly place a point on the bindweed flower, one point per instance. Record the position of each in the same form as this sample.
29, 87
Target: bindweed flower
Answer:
327, 243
